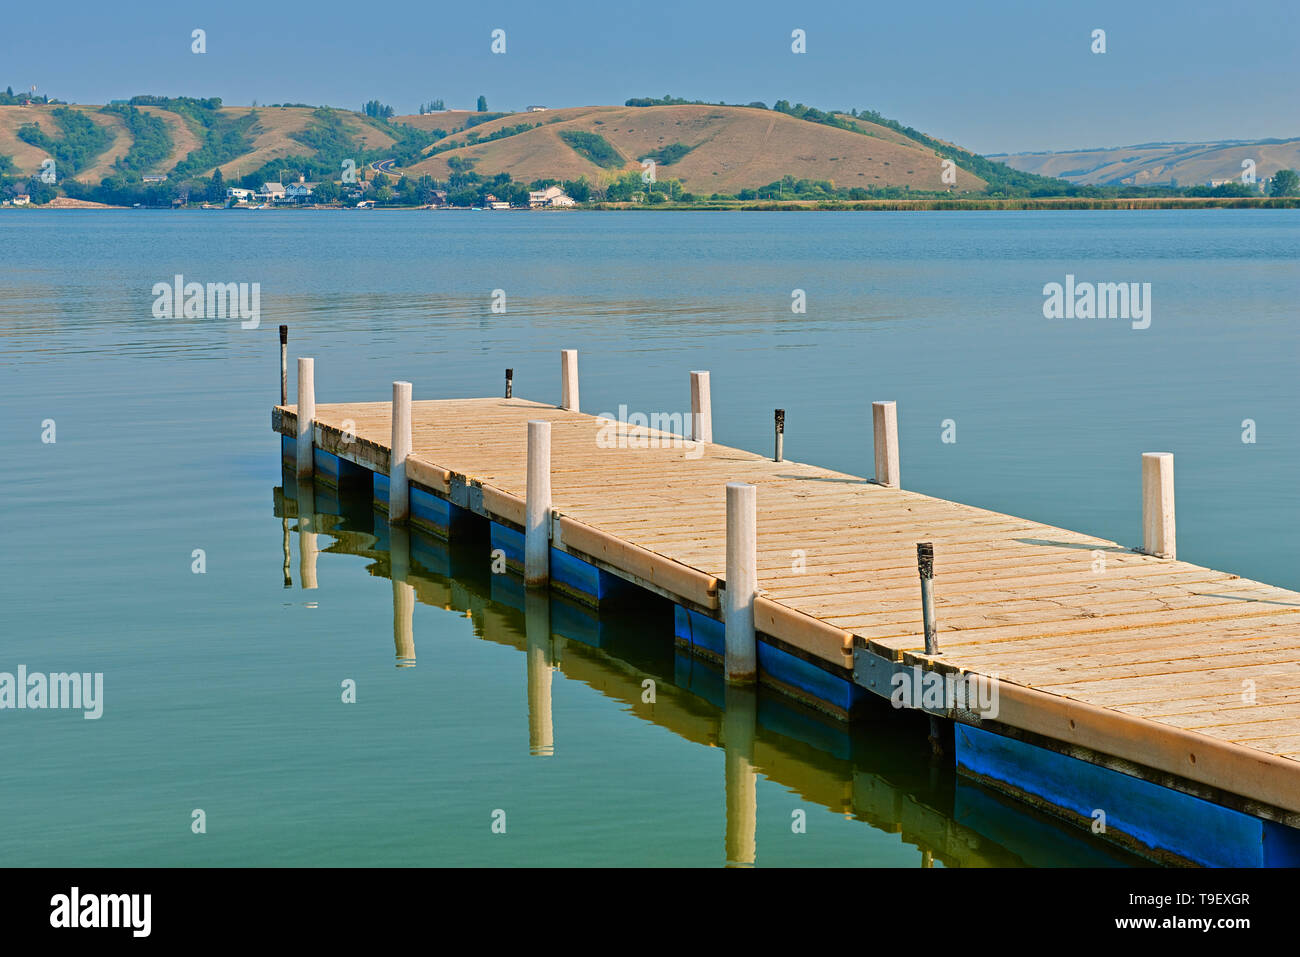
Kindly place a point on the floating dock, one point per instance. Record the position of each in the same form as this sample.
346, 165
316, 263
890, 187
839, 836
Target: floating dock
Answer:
1152, 701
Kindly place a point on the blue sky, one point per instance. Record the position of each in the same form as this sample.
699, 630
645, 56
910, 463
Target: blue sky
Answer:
995, 77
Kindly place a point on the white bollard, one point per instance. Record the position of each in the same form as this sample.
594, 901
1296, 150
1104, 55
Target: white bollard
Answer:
399, 490
1158, 530
741, 658
884, 425
537, 506
569, 380
701, 408
306, 416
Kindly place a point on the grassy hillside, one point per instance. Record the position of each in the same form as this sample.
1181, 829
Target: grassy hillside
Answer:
720, 149
281, 132
32, 134
701, 151
1181, 164
707, 149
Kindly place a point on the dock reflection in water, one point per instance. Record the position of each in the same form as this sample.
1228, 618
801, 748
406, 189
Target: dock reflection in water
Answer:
879, 771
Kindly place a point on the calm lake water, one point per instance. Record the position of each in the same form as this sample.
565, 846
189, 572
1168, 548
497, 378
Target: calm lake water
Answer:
222, 690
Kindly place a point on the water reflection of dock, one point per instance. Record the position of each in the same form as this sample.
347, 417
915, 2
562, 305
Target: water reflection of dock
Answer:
887, 781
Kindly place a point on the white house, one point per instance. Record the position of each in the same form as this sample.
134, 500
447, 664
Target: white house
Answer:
270, 193
240, 195
22, 199
551, 196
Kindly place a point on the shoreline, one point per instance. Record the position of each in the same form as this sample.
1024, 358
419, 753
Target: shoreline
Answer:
864, 205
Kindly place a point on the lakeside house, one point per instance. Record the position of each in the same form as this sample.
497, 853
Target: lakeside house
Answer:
238, 195
22, 199
298, 192
552, 196
270, 193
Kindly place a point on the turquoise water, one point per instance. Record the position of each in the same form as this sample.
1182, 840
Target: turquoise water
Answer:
222, 690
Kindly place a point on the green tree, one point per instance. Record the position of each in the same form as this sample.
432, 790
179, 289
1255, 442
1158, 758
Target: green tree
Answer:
579, 189
327, 192
1286, 182
216, 191
41, 193
482, 104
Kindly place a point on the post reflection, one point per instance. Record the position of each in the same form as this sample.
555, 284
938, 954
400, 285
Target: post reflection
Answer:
307, 547
739, 718
399, 550
541, 657
288, 578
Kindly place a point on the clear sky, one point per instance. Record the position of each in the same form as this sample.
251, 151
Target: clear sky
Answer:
992, 77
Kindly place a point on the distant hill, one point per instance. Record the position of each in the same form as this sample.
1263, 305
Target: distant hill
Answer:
270, 137
709, 149
1160, 164
157, 150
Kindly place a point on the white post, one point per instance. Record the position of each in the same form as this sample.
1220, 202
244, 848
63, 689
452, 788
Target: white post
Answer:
741, 658
884, 424
399, 491
569, 379
537, 506
1158, 535
701, 408
306, 416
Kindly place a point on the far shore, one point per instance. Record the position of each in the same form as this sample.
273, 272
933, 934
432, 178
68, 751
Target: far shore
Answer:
886, 205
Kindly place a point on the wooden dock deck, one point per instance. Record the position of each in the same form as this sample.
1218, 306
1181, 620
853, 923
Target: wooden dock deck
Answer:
1177, 674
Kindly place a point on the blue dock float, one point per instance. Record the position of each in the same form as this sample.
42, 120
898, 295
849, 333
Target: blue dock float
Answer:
803, 680
1157, 822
